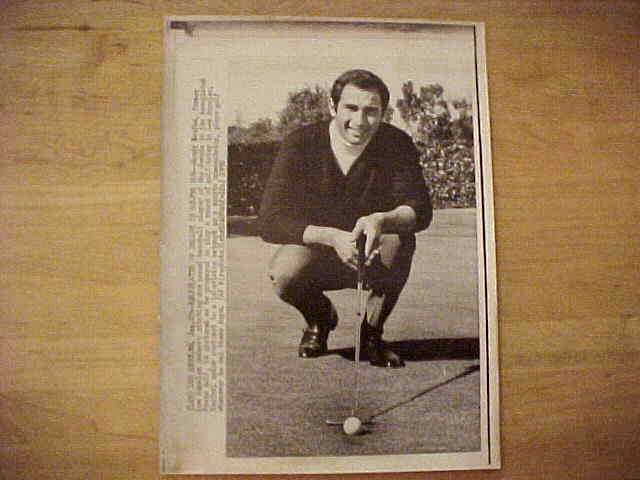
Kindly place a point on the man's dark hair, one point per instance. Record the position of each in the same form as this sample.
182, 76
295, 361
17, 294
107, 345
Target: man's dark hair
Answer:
363, 79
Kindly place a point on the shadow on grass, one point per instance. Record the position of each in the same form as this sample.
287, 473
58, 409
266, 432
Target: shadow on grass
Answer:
426, 349
467, 371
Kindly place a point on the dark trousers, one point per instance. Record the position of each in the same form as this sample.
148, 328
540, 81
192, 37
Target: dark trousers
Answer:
301, 274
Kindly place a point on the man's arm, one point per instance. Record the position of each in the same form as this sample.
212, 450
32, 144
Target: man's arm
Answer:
409, 187
413, 211
340, 240
400, 220
281, 210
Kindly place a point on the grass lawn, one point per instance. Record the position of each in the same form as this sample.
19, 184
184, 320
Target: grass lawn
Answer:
277, 402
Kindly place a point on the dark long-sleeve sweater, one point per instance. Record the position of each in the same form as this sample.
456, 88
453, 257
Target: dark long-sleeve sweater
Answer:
306, 186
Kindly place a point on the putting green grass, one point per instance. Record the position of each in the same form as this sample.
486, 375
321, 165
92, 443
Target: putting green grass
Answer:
277, 403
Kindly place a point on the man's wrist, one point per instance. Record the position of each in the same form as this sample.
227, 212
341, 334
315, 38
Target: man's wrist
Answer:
381, 218
314, 234
399, 220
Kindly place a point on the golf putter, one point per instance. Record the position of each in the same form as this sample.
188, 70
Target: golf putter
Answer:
361, 313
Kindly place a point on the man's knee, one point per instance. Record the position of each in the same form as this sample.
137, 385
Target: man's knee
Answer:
283, 283
396, 251
286, 270
390, 272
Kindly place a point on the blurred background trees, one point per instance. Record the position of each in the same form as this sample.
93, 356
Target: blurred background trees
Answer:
441, 130
443, 134
304, 107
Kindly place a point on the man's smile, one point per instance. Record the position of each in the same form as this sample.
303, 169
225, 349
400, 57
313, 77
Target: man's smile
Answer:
359, 132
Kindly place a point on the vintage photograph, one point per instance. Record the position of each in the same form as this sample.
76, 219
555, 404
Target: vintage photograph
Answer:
358, 252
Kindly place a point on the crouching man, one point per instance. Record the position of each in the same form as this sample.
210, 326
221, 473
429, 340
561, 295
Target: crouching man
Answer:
331, 183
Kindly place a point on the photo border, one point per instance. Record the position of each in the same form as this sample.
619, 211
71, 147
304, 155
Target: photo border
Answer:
485, 234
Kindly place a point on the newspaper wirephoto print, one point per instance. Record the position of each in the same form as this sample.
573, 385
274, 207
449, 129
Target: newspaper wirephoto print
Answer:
328, 290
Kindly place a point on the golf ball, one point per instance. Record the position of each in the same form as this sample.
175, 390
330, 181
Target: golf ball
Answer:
352, 426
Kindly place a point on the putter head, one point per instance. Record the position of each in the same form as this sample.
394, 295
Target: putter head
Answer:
334, 422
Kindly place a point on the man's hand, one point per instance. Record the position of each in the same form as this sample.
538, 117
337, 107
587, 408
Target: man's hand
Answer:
340, 240
371, 227
345, 247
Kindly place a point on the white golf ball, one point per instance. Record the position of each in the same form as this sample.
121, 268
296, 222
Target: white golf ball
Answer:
352, 426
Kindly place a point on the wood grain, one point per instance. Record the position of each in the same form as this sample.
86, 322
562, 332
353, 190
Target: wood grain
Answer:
80, 103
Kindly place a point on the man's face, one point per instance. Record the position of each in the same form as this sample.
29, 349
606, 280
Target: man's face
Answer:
358, 114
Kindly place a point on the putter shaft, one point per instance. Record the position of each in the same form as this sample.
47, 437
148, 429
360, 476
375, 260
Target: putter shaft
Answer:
362, 307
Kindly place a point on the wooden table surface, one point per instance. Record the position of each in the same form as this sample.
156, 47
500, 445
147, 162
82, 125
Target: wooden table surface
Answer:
80, 163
